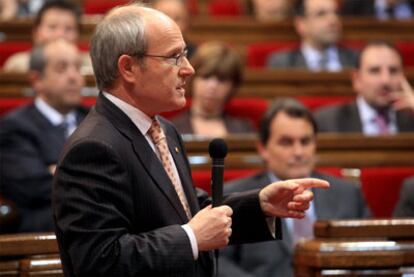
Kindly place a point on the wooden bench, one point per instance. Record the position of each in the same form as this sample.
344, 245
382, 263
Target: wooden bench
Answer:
30, 254
261, 83
242, 30
358, 248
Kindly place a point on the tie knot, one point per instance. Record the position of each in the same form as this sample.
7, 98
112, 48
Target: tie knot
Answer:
155, 131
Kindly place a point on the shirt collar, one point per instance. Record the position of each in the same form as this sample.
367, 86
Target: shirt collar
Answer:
313, 56
55, 117
141, 120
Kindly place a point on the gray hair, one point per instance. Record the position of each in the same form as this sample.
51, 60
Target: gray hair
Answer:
37, 60
118, 34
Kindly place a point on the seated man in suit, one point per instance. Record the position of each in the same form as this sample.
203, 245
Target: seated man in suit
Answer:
385, 100
405, 205
32, 136
55, 19
319, 26
287, 145
381, 9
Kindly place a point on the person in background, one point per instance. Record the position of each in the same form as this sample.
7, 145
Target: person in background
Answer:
32, 136
8, 9
217, 78
177, 10
288, 146
123, 198
56, 19
381, 9
271, 10
319, 26
405, 205
385, 100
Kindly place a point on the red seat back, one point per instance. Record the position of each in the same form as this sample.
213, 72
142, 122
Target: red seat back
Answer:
219, 8
8, 48
202, 178
381, 187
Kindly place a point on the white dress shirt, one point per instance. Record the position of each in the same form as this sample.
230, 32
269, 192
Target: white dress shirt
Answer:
313, 58
55, 117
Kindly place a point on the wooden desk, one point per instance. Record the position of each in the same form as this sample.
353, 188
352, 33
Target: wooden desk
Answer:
264, 83
243, 30
29, 254
333, 150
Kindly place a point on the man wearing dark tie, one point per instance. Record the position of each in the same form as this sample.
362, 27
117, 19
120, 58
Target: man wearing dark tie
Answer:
385, 100
124, 203
31, 137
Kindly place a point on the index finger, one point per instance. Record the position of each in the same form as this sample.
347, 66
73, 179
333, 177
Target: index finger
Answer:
405, 85
312, 183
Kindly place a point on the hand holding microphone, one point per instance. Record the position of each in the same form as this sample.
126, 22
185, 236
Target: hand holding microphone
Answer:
212, 225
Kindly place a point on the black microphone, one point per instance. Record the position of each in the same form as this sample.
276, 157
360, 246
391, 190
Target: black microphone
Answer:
218, 151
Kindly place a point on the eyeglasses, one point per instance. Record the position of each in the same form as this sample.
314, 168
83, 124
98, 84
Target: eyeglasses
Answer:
176, 59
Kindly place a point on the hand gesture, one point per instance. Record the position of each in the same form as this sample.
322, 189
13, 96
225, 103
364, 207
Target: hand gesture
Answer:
289, 198
212, 227
404, 100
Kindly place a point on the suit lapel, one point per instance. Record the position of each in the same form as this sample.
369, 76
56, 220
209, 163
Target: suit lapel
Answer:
143, 151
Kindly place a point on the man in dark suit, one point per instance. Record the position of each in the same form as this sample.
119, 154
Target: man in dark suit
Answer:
405, 205
124, 204
385, 100
288, 145
319, 26
381, 9
32, 137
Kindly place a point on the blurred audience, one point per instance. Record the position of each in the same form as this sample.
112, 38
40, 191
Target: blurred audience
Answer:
405, 205
271, 10
178, 11
384, 102
32, 136
381, 9
8, 9
319, 26
56, 19
218, 75
288, 146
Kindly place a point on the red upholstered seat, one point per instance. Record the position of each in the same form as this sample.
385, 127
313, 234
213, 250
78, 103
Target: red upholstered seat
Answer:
257, 53
101, 6
406, 49
202, 178
8, 48
225, 8
315, 102
381, 187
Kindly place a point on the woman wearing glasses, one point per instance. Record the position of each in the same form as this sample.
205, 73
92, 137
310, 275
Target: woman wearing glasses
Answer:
217, 78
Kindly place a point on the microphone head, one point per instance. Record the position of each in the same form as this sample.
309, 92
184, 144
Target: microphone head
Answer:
217, 148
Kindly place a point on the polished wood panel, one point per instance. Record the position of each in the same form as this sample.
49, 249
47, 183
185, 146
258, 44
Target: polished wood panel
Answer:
397, 229
336, 150
242, 30
263, 83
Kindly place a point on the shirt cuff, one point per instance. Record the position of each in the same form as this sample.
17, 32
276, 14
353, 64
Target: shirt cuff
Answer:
193, 240
271, 225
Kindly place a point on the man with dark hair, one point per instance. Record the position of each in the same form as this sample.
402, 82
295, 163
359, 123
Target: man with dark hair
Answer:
385, 101
32, 137
124, 202
288, 145
319, 26
56, 19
